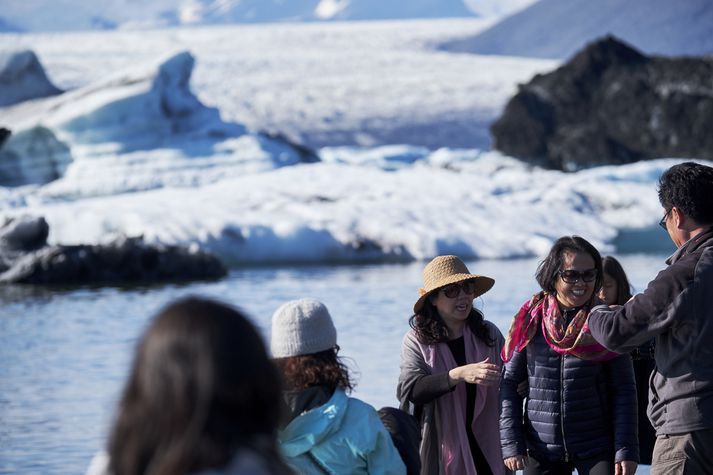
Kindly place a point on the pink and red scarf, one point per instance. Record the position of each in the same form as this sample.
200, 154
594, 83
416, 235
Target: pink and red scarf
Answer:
571, 338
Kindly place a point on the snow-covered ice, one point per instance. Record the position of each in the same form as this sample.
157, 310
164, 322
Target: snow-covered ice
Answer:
388, 114
360, 83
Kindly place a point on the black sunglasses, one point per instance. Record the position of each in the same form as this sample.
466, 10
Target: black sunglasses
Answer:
573, 276
662, 223
451, 291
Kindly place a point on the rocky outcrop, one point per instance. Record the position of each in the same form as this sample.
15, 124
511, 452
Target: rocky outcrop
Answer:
22, 77
611, 105
25, 258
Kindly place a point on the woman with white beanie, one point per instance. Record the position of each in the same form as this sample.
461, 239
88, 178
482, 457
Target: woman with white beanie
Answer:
326, 431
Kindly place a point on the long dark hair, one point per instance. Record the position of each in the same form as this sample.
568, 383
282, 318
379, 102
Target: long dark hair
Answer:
200, 388
324, 368
430, 327
623, 288
548, 270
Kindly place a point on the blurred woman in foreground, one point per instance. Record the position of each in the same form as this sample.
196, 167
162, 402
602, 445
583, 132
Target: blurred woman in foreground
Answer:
202, 398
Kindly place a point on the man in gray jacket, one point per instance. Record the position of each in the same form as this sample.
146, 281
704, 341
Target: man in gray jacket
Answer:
677, 309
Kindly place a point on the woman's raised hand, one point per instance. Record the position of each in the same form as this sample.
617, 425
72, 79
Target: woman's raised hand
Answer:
626, 467
484, 372
517, 462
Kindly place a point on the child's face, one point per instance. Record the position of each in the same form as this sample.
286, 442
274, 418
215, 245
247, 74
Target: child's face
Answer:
608, 291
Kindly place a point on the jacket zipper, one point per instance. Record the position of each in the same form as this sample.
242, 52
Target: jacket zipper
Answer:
564, 441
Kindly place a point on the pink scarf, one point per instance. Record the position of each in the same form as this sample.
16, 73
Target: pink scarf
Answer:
456, 458
573, 338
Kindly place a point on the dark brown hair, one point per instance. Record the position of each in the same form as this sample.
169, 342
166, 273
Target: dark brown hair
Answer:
324, 368
200, 388
430, 327
623, 288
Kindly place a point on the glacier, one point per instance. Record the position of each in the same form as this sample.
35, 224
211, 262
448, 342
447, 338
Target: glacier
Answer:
183, 148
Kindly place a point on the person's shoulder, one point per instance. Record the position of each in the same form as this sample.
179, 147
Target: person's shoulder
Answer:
356, 404
682, 269
243, 462
99, 464
361, 423
493, 329
410, 338
363, 412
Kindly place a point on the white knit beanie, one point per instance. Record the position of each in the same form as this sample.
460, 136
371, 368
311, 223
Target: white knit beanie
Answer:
302, 327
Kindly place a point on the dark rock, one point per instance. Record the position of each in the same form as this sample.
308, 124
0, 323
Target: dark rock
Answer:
4, 134
18, 236
305, 153
126, 260
611, 105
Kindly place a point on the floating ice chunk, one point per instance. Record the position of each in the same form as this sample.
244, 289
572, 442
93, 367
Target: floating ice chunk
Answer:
22, 77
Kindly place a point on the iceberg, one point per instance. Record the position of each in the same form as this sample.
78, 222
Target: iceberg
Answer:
136, 130
22, 77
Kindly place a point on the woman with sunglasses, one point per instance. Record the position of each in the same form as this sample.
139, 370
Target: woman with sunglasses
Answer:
450, 371
580, 404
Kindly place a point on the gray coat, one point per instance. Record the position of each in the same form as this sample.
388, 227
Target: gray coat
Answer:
413, 367
677, 309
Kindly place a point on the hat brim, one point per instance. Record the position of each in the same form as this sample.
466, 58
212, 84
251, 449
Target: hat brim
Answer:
482, 285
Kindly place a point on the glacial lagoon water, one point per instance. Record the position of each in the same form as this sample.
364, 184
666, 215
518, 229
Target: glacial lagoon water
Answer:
64, 354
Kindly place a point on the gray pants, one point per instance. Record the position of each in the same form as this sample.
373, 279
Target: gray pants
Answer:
689, 454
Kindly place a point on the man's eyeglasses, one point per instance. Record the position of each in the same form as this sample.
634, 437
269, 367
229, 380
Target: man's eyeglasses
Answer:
574, 276
451, 291
662, 223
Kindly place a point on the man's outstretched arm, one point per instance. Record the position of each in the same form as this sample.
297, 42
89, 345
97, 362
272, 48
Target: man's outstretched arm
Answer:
646, 315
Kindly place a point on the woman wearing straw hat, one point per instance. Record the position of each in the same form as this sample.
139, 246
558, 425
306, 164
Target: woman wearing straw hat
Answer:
580, 411
450, 371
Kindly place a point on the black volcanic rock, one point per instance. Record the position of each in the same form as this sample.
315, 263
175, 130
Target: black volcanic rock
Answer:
20, 236
25, 258
611, 104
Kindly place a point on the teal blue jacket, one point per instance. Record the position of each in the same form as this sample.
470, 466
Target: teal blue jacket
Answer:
344, 436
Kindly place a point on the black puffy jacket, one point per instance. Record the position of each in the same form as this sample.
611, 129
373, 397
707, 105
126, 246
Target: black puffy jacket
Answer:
575, 408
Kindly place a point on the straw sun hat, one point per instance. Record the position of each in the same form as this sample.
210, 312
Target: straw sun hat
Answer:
444, 270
